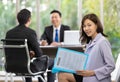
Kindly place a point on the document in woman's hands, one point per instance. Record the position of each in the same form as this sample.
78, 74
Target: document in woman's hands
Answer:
69, 61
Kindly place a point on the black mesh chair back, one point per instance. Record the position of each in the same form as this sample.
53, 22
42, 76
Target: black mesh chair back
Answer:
17, 59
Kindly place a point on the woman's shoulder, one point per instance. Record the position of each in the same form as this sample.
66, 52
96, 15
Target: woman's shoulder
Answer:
103, 41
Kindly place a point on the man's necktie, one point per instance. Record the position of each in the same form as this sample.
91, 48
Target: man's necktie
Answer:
56, 35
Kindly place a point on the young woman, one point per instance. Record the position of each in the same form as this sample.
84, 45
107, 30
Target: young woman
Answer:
100, 62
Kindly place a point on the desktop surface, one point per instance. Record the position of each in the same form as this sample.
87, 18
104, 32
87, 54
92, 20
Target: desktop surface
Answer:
51, 50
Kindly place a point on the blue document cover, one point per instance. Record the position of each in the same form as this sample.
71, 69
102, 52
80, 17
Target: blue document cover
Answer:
69, 61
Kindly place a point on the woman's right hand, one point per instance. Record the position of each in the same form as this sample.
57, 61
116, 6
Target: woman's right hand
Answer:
85, 73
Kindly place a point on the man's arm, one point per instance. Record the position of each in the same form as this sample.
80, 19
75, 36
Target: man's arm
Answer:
33, 43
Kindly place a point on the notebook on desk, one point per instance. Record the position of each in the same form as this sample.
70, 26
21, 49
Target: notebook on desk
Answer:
71, 37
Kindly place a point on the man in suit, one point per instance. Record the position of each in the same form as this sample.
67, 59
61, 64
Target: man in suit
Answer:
22, 31
49, 35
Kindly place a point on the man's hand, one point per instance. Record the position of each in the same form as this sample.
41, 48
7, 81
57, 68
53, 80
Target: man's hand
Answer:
55, 44
43, 43
32, 54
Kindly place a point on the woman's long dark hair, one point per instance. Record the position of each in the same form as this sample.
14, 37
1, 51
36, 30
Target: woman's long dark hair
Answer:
83, 37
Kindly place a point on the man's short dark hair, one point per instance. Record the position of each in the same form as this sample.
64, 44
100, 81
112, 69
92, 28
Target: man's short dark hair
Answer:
23, 16
56, 11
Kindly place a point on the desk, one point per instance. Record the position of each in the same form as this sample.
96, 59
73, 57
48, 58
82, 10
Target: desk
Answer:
51, 51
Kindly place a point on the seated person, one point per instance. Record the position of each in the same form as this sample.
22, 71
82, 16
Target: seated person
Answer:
22, 31
100, 62
53, 35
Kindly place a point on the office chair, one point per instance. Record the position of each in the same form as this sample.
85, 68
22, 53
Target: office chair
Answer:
17, 58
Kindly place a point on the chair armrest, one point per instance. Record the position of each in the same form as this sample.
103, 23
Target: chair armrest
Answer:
39, 64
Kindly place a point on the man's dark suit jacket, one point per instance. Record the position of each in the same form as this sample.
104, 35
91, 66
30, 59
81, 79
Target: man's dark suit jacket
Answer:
22, 32
48, 33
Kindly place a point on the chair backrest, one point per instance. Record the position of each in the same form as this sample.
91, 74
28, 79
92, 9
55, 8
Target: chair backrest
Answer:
17, 59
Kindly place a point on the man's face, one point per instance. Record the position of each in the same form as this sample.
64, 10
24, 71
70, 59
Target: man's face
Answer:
55, 19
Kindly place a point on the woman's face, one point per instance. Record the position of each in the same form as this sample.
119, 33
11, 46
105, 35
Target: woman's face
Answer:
90, 28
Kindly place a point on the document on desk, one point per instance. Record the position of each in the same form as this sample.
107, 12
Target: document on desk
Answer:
69, 61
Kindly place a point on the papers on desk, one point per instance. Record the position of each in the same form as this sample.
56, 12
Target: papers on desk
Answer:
69, 61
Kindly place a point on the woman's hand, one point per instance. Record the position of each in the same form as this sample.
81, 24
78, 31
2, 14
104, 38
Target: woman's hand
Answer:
85, 73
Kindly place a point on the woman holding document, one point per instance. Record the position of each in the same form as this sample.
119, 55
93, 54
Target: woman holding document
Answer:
100, 61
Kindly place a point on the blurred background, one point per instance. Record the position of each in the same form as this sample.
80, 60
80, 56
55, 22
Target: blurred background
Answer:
72, 13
